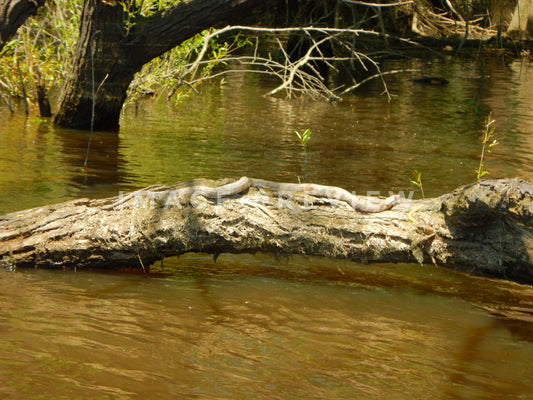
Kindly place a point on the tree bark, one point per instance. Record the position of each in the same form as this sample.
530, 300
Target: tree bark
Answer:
114, 54
100, 66
13, 13
485, 228
521, 25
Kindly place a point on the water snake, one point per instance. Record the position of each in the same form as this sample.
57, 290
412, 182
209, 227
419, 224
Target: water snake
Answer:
358, 203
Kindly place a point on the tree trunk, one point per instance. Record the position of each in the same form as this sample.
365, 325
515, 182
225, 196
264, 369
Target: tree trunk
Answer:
13, 13
114, 54
485, 228
521, 25
100, 68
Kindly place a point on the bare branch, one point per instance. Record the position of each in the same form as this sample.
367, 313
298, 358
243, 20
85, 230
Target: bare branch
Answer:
379, 75
296, 76
453, 10
364, 3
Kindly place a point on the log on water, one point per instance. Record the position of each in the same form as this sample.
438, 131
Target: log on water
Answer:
484, 228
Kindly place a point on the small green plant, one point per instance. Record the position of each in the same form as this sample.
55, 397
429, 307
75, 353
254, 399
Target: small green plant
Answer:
417, 181
487, 144
49, 40
304, 137
38, 120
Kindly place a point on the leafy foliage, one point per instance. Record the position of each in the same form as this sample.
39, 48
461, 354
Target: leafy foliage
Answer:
417, 181
47, 43
488, 143
304, 137
172, 68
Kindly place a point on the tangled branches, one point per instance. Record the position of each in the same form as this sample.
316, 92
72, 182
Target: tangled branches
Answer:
301, 59
299, 75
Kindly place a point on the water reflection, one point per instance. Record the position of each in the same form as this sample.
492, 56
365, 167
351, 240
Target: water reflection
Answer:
257, 328
104, 172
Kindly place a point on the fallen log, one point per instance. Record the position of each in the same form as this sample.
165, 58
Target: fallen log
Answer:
484, 228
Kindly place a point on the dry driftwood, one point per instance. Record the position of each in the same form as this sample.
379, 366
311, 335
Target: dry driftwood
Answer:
484, 228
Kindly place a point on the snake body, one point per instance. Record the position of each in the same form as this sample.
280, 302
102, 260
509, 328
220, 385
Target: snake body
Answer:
358, 203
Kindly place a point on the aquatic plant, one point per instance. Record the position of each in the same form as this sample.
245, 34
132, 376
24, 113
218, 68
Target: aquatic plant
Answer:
418, 181
304, 137
473, 104
488, 143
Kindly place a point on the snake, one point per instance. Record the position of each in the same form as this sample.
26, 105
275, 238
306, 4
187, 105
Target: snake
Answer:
358, 203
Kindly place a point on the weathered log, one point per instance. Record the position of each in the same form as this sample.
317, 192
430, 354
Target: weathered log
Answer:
484, 228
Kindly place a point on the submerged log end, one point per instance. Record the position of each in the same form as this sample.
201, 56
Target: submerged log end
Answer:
496, 218
485, 201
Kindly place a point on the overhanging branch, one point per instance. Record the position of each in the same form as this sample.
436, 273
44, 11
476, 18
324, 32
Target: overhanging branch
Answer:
296, 76
159, 33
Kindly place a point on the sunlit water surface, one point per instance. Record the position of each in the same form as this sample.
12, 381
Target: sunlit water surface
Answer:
249, 327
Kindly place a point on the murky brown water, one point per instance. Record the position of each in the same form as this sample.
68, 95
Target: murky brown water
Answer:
253, 327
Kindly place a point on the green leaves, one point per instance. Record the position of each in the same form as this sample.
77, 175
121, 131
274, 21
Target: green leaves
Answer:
304, 137
481, 172
418, 181
488, 143
476, 109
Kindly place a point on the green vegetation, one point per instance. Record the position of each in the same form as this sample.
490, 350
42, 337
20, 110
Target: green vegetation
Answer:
44, 46
473, 104
418, 181
304, 137
45, 43
170, 70
488, 143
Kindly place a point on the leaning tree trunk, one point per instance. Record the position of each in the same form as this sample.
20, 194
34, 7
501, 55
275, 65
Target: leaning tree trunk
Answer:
114, 54
485, 228
13, 13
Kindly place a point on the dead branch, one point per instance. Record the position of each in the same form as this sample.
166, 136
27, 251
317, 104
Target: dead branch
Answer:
296, 76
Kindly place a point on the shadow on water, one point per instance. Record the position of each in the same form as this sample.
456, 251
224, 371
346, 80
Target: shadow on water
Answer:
506, 300
257, 327
104, 172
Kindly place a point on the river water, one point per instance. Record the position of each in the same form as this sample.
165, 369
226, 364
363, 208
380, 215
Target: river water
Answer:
255, 326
